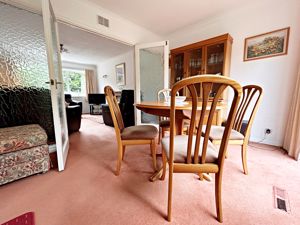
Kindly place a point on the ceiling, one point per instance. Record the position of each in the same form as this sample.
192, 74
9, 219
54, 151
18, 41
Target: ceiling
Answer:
166, 16
88, 48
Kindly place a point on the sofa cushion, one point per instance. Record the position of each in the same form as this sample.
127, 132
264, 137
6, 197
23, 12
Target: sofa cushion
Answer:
19, 164
21, 137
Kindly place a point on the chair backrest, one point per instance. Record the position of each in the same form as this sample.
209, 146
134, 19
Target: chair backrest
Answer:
114, 110
68, 98
208, 104
252, 95
127, 96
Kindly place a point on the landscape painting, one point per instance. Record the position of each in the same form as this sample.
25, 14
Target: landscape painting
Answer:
269, 44
120, 74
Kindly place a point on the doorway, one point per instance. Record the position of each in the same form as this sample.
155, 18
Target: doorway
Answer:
84, 51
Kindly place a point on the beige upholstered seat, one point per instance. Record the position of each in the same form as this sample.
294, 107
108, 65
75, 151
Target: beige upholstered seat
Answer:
194, 153
216, 132
180, 149
252, 95
134, 135
139, 132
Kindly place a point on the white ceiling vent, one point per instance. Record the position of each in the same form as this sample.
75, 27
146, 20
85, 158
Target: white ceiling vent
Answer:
103, 21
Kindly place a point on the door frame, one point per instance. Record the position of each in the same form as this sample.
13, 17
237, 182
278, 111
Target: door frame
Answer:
137, 48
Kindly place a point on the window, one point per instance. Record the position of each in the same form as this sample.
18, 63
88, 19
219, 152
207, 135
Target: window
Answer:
74, 82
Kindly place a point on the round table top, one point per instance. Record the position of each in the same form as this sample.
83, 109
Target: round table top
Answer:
186, 105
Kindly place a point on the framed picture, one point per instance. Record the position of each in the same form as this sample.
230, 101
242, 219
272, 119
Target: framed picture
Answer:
120, 74
265, 45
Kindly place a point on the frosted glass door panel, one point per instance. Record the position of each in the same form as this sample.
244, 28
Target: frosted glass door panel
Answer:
23, 59
151, 77
57, 92
58, 82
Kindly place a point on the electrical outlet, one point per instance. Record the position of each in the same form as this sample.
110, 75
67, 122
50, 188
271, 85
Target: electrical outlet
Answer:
268, 131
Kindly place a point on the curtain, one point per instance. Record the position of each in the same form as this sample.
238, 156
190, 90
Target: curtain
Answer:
91, 82
292, 135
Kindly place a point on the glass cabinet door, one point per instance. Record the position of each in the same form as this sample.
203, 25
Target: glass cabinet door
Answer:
215, 62
195, 62
178, 68
215, 59
195, 65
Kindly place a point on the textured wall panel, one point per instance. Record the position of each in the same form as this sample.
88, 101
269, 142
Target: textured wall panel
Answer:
23, 59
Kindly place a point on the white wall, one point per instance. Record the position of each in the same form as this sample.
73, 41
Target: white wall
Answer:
276, 75
108, 68
72, 65
84, 14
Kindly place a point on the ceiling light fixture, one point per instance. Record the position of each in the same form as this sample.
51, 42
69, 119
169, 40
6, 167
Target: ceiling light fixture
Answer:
63, 49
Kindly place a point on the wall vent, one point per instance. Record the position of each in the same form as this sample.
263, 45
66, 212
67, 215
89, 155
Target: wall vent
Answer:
103, 21
281, 200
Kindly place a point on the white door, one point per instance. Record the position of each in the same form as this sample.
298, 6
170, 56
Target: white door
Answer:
56, 84
152, 75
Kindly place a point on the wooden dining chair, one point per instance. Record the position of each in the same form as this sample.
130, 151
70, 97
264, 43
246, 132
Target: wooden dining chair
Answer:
252, 95
194, 153
133, 135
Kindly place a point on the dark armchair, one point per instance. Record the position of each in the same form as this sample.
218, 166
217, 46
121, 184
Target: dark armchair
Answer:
74, 112
126, 108
68, 99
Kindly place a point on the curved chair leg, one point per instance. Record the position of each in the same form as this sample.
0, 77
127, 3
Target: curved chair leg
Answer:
170, 188
153, 152
164, 160
244, 158
119, 161
200, 176
123, 152
218, 196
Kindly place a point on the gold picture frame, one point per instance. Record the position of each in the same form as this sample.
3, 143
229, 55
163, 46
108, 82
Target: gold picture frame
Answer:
270, 44
120, 74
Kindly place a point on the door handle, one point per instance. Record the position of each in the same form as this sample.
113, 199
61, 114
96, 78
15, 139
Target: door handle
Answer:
50, 82
57, 82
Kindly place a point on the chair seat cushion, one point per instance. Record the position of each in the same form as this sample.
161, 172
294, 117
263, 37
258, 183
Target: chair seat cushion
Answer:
164, 123
216, 133
180, 149
21, 137
140, 132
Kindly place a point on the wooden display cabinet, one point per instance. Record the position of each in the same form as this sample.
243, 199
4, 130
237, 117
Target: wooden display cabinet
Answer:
211, 56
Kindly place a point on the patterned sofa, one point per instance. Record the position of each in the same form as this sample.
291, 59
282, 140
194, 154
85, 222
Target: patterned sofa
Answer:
23, 152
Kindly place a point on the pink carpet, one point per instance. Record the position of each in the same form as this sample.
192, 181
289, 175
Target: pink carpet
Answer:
88, 192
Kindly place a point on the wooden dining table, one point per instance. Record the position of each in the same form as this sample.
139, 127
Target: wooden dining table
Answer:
183, 109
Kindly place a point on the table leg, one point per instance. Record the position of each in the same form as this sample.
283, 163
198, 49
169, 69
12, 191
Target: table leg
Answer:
179, 125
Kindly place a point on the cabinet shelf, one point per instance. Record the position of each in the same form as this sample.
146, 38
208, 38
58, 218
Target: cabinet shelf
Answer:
215, 64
